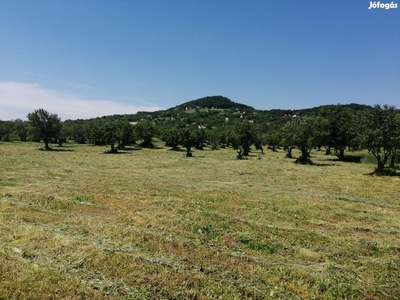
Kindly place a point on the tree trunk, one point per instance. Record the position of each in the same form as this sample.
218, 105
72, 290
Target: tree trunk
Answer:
380, 166
188, 154
246, 150
240, 153
46, 143
304, 155
327, 150
393, 159
341, 154
289, 152
381, 162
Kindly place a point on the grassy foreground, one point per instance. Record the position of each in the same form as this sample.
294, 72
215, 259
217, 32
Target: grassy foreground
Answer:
153, 224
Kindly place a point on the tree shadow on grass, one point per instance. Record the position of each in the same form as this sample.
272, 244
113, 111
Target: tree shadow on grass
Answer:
308, 161
350, 158
302, 161
116, 152
55, 150
386, 172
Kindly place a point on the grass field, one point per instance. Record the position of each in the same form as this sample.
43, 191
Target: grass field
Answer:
153, 224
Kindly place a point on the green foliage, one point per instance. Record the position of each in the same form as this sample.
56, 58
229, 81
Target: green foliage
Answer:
273, 137
145, 131
21, 128
125, 133
110, 134
244, 135
6, 129
380, 133
78, 132
189, 137
338, 128
171, 137
45, 126
95, 133
213, 137
287, 138
302, 133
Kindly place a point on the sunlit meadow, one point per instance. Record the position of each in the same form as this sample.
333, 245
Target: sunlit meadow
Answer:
153, 224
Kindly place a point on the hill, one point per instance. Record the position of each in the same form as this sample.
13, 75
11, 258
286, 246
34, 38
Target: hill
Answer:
220, 102
213, 111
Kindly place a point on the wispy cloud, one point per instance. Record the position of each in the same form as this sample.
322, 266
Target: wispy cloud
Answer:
18, 99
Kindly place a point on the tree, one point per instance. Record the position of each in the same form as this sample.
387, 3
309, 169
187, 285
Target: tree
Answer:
339, 124
78, 133
171, 137
213, 137
200, 138
380, 133
124, 133
21, 128
302, 133
288, 134
273, 137
145, 131
244, 135
110, 134
95, 131
45, 126
63, 134
188, 139
6, 129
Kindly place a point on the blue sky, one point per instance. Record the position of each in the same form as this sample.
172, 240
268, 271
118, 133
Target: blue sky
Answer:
83, 59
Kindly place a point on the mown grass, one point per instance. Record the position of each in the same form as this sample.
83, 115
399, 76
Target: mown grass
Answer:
153, 224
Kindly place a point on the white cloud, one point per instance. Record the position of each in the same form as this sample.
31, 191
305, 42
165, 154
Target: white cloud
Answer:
18, 99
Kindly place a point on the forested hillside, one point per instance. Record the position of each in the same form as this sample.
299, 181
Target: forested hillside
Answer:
213, 111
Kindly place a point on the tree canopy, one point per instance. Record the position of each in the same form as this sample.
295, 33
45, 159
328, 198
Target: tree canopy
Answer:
45, 125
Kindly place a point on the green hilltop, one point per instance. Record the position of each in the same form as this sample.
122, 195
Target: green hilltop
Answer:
213, 111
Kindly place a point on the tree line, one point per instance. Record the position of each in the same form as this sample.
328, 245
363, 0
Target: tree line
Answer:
334, 129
